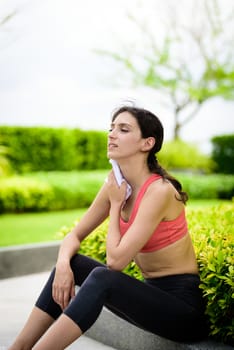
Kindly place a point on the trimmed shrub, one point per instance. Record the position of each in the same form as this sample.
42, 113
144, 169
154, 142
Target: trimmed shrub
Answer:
77, 189
180, 155
45, 191
212, 232
34, 149
5, 166
44, 148
213, 236
207, 186
74, 189
18, 194
91, 149
223, 153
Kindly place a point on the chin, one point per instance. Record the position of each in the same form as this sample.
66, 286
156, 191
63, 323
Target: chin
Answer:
110, 155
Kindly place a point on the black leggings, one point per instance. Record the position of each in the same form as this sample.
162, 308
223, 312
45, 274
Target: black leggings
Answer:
170, 306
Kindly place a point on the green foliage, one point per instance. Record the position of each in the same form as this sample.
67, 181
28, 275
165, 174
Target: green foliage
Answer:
213, 236
223, 153
44, 148
207, 186
49, 190
33, 149
19, 194
74, 189
91, 149
212, 233
57, 190
181, 155
5, 167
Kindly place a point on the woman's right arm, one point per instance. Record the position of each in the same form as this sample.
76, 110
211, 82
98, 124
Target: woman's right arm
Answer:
63, 285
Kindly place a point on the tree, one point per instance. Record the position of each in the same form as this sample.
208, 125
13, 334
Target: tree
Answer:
189, 63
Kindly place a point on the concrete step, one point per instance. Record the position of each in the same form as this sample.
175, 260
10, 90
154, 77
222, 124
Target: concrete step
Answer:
17, 296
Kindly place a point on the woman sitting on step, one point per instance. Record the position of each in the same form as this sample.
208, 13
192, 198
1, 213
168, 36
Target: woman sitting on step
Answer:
148, 226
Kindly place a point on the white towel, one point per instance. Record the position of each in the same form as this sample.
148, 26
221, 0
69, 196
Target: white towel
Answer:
119, 177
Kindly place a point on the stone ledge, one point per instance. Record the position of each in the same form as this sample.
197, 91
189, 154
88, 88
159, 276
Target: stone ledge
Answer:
111, 330
27, 259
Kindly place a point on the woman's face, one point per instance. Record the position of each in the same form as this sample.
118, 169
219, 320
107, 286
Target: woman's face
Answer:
124, 139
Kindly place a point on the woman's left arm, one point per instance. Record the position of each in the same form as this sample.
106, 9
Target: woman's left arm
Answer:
122, 250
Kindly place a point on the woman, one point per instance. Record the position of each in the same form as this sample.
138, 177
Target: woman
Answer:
150, 228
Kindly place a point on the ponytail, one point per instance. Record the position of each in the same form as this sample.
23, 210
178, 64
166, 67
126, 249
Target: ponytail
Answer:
156, 168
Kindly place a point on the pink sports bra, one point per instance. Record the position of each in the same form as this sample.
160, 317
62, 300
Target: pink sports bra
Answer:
166, 233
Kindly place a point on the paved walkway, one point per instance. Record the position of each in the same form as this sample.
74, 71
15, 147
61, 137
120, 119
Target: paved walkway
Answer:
17, 296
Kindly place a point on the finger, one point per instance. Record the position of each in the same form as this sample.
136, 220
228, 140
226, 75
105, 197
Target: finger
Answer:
124, 183
55, 293
112, 178
66, 299
60, 299
73, 291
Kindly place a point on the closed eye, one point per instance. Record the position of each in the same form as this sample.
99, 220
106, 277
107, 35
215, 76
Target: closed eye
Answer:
121, 129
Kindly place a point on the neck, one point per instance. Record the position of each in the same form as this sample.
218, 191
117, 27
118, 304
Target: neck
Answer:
136, 173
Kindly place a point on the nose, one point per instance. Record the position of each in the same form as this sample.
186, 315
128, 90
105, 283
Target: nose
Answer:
112, 134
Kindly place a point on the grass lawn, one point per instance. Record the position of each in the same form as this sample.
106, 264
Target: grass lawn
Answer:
41, 227
34, 227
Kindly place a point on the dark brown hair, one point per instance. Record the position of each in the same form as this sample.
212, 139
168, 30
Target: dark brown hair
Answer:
151, 126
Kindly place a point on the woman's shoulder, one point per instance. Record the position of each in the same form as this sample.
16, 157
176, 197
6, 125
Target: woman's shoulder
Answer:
159, 185
158, 193
163, 193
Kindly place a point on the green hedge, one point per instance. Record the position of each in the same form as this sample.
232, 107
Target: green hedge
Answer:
207, 186
46, 191
213, 235
178, 154
212, 232
223, 153
44, 148
76, 189
18, 194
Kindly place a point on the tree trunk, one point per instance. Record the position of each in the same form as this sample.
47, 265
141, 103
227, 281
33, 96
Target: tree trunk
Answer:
177, 128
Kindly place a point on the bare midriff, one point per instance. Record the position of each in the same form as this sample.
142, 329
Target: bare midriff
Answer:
177, 258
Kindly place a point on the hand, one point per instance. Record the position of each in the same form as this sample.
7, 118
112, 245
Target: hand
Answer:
63, 285
116, 194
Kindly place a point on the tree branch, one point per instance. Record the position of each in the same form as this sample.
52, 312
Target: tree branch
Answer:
8, 18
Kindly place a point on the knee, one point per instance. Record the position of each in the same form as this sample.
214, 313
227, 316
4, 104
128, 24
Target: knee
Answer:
99, 273
100, 276
104, 276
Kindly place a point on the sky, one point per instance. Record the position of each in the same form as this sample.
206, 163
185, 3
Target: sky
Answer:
50, 73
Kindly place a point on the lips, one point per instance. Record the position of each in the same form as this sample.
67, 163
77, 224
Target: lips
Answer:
112, 145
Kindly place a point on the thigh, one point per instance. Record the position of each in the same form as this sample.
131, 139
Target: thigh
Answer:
151, 308
132, 299
136, 299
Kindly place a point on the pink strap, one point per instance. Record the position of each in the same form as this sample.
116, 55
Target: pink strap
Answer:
141, 193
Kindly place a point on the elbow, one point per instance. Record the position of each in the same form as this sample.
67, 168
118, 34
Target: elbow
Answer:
115, 264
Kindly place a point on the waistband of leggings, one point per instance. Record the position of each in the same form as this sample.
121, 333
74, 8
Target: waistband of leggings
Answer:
173, 277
